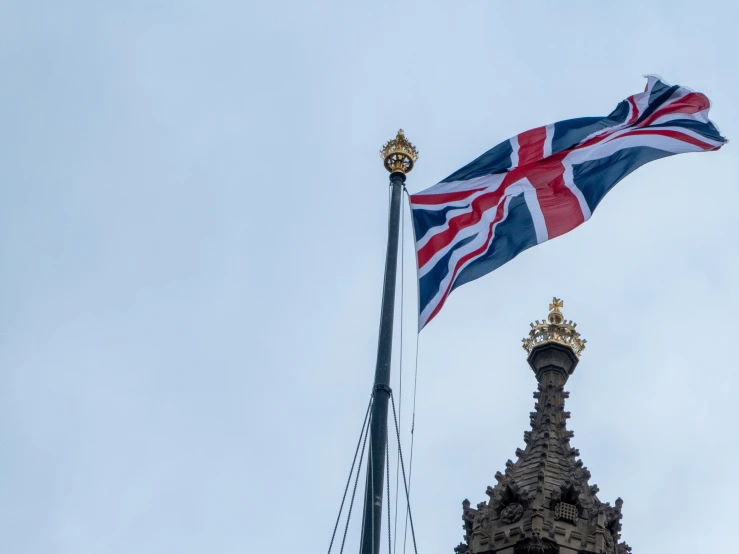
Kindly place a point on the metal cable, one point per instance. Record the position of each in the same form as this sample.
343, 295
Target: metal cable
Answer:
387, 468
351, 472
402, 467
413, 416
400, 378
356, 480
413, 439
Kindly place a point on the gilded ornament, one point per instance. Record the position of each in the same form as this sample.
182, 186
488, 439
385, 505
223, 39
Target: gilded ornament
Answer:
555, 329
399, 154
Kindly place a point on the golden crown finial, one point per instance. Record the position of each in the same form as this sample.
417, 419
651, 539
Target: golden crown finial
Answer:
399, 154
556, 330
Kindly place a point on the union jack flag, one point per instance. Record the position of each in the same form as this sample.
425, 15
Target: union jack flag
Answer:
543, 183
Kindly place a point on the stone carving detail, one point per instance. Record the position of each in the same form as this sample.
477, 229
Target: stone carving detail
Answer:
481, 524
569, 492
462, 548
536, 544
512, 513
505, 495
609, 542
468, 516
613, 519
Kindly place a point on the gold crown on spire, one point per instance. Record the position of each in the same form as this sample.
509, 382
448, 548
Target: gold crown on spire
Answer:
399, 154
554, 330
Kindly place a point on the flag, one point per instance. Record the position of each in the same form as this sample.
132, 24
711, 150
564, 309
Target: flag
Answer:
543, 183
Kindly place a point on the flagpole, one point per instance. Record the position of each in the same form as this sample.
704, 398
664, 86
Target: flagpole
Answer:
399, 157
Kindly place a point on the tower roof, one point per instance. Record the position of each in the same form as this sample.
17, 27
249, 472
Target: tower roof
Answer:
544, 501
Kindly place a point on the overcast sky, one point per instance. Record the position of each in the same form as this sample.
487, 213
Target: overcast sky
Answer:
193, 221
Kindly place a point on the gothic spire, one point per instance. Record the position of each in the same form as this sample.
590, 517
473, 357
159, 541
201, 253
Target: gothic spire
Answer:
544, 501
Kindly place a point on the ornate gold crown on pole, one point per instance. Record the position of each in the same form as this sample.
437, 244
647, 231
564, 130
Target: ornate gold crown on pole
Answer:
555, 329
399, 154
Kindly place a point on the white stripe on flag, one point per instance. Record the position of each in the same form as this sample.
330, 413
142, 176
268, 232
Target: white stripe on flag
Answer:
548, 141
532, 202
514, 153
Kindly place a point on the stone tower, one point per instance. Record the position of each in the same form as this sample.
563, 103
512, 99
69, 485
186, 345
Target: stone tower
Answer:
544, 502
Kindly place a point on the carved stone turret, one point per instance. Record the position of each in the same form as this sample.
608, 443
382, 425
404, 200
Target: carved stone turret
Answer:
544, 502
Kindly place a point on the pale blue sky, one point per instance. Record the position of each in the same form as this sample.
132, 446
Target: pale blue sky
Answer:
192, 232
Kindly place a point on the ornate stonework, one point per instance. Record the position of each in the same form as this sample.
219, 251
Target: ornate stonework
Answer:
511, 513
543, 502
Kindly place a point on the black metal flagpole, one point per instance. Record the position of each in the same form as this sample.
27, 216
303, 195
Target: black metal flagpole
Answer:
399, 156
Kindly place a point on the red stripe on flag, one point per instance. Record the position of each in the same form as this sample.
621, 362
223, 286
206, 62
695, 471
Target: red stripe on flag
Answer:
531, 146
442, 198
561, 208
634, 111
